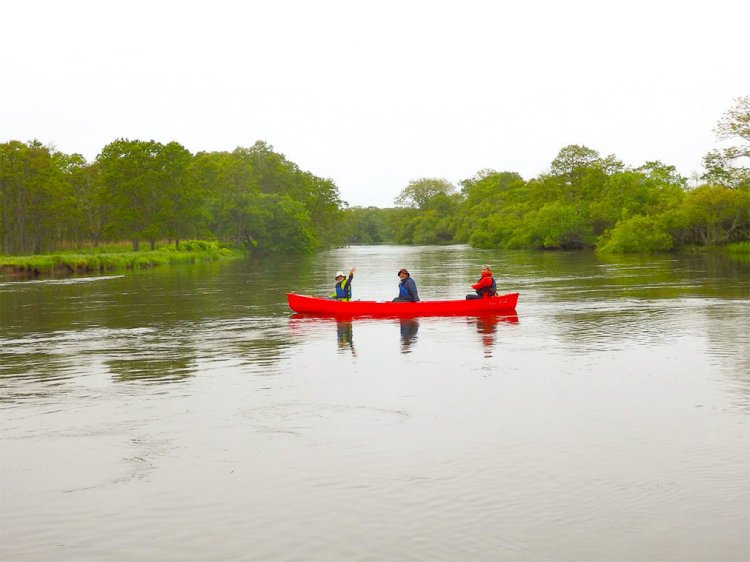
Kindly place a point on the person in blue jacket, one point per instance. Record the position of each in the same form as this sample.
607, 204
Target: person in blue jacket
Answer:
407, 288
343, 287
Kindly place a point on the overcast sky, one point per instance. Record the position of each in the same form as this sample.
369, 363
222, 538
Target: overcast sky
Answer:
376, 94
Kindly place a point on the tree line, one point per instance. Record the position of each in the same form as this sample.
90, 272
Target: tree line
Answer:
146, 191
584, 200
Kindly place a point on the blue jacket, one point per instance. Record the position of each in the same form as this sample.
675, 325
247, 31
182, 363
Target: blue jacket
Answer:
344, 289
407, 290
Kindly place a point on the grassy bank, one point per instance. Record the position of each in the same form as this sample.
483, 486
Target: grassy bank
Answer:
738, 248
111, 258
738, 251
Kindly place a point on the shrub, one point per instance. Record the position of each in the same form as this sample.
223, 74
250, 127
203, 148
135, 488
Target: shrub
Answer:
638, 234
198, 245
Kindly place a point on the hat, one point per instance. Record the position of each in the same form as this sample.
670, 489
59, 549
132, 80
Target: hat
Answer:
340, 274
485, 266
402, 270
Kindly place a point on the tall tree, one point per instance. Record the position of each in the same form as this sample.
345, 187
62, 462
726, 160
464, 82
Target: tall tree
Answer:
85, 222
730, 166
421, 193
129, 172
35, 197
228, 184
182, 212
573, 158
714, 214
12, 197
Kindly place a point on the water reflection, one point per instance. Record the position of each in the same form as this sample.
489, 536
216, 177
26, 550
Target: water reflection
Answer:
152, 369
409, 328
486, 325
633, 386
345, 336
35, 366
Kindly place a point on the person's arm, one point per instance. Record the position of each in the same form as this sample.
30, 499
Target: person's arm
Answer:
349, 279
413, 290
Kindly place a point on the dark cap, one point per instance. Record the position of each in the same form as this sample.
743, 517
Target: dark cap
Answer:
402, 270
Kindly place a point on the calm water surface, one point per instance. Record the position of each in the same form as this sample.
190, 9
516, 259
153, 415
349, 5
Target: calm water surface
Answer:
186, 414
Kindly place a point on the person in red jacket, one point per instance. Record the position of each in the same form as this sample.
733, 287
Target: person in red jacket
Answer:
486, 286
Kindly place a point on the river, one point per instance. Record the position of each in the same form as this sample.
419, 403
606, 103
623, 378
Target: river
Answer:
185, 413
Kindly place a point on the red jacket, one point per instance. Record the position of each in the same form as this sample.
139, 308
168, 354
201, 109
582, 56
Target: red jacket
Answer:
484, 282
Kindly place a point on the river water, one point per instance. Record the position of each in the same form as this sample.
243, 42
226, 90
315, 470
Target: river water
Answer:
186, 414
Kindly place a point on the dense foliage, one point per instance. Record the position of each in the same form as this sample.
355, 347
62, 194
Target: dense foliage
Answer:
254, 197
584, 200
148, 191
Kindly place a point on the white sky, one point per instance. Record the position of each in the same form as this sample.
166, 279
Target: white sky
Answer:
376, 94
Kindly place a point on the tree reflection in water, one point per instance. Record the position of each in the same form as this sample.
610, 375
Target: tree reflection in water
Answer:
152, 369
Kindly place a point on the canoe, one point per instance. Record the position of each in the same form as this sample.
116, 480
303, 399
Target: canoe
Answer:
501, 304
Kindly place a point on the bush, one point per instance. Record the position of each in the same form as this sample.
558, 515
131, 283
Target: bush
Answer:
198, 245
638, 234
555, 226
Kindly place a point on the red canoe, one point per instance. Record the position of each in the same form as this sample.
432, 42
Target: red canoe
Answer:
313, 305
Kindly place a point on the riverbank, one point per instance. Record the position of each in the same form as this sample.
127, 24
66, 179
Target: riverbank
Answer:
738, 249
111, 258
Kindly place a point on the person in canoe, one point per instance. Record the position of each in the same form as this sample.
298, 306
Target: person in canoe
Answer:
486, 286
407, 288
343, 289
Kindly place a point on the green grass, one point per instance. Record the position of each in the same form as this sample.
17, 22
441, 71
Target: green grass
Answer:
738, 248
113, 258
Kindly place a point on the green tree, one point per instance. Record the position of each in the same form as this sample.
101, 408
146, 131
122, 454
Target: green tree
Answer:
489, 185
555, 225
35, 197
730, 166
132, 187
228, 183
648, 190
320, 196
485, 195
367, 225
713, 214
430, 206
289, 226
269, 223
572, 159
274, 173
182, 213
577, 174
662, 174
638, 234
421, 193
86, 213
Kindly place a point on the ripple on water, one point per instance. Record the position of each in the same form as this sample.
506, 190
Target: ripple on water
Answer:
614, 420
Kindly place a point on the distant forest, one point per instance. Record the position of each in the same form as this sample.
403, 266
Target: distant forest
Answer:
147, 192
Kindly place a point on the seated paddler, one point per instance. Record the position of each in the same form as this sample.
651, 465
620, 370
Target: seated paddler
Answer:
407, 288
343, 287
486, 286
